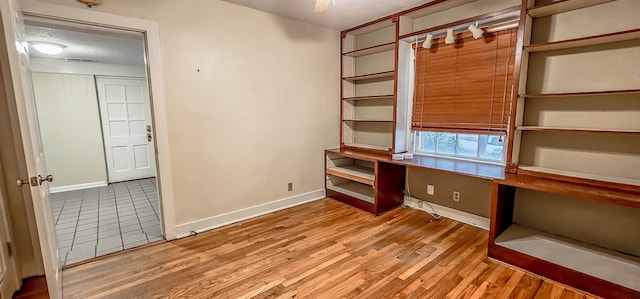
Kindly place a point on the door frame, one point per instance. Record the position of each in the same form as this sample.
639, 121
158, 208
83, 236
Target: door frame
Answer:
150, 31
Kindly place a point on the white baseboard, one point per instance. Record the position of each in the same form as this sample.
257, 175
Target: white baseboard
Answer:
183, 230
457, 215
77, 187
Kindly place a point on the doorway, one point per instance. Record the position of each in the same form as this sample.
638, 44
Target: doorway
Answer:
96, 126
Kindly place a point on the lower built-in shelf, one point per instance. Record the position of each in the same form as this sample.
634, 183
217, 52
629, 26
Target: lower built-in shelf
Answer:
595, 269
356, 173
569, 175
356, 190
594, 261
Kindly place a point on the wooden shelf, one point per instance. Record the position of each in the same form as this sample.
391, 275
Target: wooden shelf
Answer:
581, 177
582, 94
561, 6
382, 75
371, 50
356, 190
355, 173
380, 97
579, 130
620, 197
585, 41
368, 146
370, 120
594, 261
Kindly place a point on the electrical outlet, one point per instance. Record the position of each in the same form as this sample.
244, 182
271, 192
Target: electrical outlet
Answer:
456, 196
290, 186
430, 189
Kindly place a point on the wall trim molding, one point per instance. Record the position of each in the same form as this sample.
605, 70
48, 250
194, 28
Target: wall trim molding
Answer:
457, 215
209, 223
77, 187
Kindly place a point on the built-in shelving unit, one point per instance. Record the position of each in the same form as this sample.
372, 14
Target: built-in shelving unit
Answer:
363, 180
576, 136
603, 271
573, 82
368, 86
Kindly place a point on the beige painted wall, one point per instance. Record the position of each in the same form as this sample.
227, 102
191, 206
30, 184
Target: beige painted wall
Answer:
475, 193
70, 128
251, 100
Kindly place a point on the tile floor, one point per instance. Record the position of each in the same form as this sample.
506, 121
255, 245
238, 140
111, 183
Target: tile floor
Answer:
98, 221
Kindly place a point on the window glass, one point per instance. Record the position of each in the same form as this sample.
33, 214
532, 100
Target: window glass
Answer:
480, 147
446, 143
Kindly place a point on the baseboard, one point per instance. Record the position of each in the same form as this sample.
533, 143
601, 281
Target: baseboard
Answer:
77, 187
183, 230
457, 215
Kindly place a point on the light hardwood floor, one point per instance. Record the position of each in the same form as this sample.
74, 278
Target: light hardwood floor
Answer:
323, 249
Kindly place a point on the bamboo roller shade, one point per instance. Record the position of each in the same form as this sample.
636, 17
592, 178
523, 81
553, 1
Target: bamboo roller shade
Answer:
465, 86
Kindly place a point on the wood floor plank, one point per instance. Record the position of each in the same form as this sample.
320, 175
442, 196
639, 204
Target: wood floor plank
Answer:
323, 249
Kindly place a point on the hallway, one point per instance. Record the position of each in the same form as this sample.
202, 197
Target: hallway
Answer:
98, 221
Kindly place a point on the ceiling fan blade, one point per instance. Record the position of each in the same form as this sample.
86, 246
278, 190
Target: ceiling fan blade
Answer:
322, 5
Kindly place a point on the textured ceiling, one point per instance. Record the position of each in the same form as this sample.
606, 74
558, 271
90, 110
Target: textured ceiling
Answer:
88, 46
343, 15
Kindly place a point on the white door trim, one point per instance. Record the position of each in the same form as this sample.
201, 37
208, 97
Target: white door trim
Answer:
156, 88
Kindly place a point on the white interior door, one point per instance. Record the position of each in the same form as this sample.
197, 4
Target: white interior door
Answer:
19, 79
125, 112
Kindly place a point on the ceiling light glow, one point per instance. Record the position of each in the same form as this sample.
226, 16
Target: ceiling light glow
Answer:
48, 48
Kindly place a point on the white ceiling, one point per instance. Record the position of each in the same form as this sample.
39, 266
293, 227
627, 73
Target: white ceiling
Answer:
88, 45
344, 15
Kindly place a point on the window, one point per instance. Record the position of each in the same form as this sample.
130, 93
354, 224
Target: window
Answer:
462, 96
481, 147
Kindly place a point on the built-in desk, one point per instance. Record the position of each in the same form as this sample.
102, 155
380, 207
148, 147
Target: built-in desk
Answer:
375, 183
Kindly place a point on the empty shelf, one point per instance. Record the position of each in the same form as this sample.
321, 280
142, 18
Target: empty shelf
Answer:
579, 130
356, 173
620, 197
538, 171
381, 97
582, 94
356, 190
585, 41
382, 75
371, 50
598, 262
562, 6
368, 146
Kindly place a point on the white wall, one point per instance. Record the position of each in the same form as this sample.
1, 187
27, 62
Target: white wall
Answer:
252, 101
70, 128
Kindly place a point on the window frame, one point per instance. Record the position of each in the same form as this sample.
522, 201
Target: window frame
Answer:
416, 140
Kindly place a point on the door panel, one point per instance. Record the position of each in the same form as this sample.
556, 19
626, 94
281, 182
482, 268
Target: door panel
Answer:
20, 81
126, 117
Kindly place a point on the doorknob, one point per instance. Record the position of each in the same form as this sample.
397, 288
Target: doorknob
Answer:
48, 178
33, 181
149, 138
